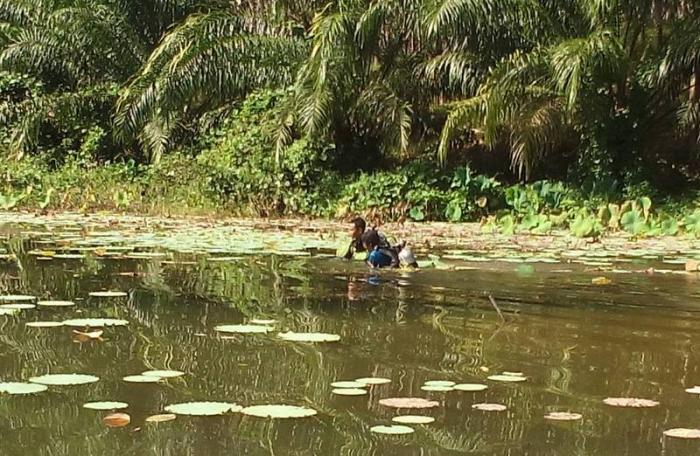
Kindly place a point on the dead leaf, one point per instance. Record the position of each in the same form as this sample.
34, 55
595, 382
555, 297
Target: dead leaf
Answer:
116, 420
408, 402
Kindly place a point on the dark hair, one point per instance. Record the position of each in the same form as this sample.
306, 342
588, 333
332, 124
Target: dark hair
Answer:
360, 223
371, 238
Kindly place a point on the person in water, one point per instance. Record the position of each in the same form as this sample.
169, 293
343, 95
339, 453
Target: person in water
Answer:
371, 241
359, 227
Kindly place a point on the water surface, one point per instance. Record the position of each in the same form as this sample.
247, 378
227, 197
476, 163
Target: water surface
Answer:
576, 343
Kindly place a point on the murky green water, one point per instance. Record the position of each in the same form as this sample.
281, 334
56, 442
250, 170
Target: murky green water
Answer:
576, 343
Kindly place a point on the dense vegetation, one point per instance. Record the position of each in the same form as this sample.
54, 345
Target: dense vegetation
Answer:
524, 114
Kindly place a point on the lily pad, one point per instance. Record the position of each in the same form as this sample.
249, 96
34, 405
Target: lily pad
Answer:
349, 391
437, 389
470, 387
257, 321
348, 385
106, 405
683, 433
203, 408
163, 373
413, 419
392, 430
563, 416
18, 306
630, 402
44, 324
141, 379
694, 390
21, 388
309, 337
507, 378
55, 303
278, 411
161, 418
408, 402
9, 311
64, 379
444, 383
116, 420
244, 329
17, 298
108, 294
69, 256
95, 322
373, 381
490, 407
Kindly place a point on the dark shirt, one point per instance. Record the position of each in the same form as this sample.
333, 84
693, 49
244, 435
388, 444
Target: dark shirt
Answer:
356, 245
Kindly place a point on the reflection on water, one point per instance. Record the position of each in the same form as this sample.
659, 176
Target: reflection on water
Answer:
576, 343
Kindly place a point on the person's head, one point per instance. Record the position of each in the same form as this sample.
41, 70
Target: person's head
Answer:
358, 227
370, 240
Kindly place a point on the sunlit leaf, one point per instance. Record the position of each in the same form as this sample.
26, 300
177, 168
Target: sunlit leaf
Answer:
490, 407
563, 416
278, 411
161, 418
348, 384
309, 337
349, 391
108, 294
163, 373
141, 379
55, 303
107, 405
470, 387
64, 379
372, 381
683, 433
630, 402
392, 430
413, 419
203, 408
408, 402
21, 388
44, 324
244, 329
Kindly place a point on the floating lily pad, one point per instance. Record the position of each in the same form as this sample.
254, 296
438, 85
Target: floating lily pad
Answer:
278, 411
445, 383
108, 294
683, 433
116, 420
64, 379
470, 387
257, 321
392, 430
163, 373
141, 379
490, 407
18, 306
373, 381
94, 322
563, 416
309, 337
408, 402
55, 303
106, 405
161, 418
21, 388
507, 378
348, 385
349, 391
244, 329
44, 324
630, 402
514, 374
69, 256
17, 298
694, 390
413, 419
437, 389
9, 311
203, 408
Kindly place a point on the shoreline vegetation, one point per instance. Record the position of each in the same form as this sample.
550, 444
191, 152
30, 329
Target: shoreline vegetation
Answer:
525, 117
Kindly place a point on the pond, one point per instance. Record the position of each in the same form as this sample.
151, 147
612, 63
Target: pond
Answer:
565, 343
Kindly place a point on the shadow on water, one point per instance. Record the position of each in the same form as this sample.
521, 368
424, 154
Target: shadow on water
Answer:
576, 343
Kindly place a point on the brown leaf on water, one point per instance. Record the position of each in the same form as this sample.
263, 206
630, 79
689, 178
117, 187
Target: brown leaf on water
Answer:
692, 266
116, 420
161, 418
408, 402
81, 336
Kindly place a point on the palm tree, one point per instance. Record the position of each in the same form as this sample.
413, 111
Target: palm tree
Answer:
609, 68
206, 62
